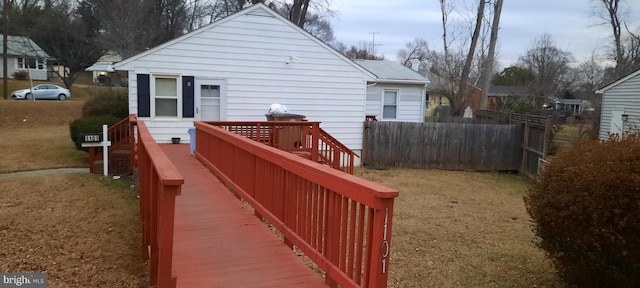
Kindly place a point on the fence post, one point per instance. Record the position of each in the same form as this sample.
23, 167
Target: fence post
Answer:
525, 145
547, 130
380, 245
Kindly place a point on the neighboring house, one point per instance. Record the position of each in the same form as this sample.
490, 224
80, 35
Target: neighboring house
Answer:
620, 105
439, 87
397, 93
102, 70
499, 97
575, 106
25, 55
235, 68
434, 96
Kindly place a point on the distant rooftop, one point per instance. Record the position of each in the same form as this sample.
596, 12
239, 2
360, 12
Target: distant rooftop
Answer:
390, 71
23, 46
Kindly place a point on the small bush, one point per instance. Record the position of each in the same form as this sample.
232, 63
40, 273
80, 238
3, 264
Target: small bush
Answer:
586, 210
90, 124
21, 75
108, 102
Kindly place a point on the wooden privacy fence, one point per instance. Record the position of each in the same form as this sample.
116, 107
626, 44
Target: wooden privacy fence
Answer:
449, 146
341, 222
160, 183
535, 141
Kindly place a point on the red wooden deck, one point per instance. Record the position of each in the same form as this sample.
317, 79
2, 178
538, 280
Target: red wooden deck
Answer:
218, 243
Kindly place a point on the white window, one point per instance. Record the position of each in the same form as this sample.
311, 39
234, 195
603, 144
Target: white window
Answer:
390, 104
31, 63
165, 101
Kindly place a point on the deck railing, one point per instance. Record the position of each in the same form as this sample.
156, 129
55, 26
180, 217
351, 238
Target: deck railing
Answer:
341, 222
160, 183
120, 135
303, 138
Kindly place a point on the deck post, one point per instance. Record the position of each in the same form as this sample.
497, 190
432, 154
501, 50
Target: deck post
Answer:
380, 245
167, 202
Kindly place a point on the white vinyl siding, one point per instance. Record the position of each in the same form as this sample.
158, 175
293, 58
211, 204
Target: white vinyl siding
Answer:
12, 67
249, 52
409, 106
623, 97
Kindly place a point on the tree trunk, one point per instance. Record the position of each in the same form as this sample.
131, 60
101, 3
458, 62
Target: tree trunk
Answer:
461, 95
488, 71
299, 12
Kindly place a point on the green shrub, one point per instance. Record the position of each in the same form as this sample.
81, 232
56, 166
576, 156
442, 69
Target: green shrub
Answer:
586, 211
21, 75
108, 102
90, 124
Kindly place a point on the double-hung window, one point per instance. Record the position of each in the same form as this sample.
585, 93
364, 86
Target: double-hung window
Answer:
165, 91
389, 104
31, 63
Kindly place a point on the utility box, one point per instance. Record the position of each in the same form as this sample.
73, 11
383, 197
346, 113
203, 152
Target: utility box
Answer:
287, 137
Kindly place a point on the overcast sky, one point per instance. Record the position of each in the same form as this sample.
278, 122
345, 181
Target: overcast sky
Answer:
395, 22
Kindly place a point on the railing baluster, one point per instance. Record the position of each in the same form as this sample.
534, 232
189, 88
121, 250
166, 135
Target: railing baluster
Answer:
337, 221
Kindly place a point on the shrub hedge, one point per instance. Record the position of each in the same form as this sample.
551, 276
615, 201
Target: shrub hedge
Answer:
586, 211
107, 102
89, 124
21, 75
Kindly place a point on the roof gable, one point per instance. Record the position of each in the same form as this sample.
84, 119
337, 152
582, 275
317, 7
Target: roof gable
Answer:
618, 82
389, 71
23, 46
258, 9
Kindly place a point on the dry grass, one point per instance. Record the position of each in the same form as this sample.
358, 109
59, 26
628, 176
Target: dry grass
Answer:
35, 135
81, 229
462, 229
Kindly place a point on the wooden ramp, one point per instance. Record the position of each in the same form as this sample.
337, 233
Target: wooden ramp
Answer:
218, 243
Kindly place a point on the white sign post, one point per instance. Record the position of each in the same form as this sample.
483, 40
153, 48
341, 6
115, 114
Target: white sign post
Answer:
89, 141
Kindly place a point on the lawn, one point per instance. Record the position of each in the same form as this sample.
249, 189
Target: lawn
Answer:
82, 229
462, 229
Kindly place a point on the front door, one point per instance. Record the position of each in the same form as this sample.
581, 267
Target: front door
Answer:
209, 100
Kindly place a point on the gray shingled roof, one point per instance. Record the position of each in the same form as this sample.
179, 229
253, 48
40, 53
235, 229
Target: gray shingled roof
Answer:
23, 46
389, 71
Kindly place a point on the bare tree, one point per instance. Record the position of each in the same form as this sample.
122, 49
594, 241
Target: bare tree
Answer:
548, 63
361, 52
461, 94
489, 65
416, 49
612, 14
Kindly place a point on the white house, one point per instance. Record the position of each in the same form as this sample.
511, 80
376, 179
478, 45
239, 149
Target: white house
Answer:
398, 92
620, 105
235, 68
25, 55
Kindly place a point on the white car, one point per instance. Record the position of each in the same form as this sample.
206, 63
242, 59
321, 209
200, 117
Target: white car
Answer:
42, 91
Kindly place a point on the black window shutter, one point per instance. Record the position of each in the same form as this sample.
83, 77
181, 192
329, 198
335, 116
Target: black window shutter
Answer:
187, 96
144, 95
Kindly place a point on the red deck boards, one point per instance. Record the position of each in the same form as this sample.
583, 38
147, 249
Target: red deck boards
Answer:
218, 243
